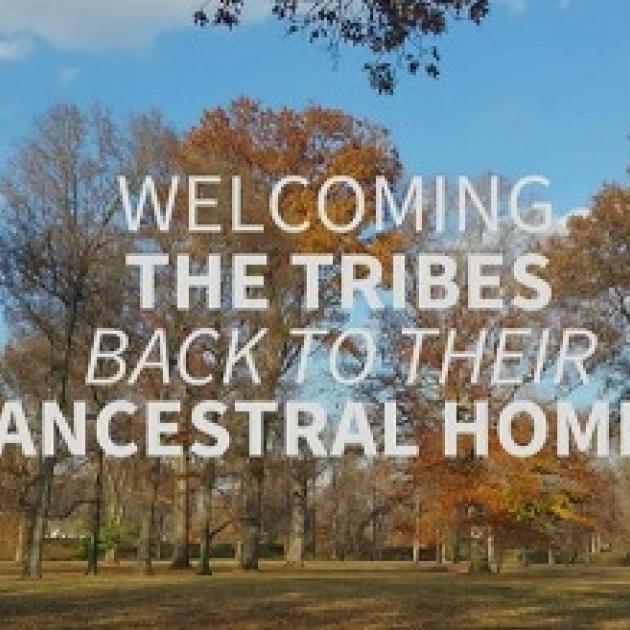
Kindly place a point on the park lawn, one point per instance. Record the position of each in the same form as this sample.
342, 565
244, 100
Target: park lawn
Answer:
318, 597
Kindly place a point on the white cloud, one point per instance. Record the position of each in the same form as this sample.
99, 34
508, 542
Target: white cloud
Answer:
13, 49
93, 25
97, 25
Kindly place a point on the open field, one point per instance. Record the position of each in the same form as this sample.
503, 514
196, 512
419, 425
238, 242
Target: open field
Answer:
386, 595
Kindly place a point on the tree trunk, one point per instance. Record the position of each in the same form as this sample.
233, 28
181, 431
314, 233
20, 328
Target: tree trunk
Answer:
181, 517
499, 556
596, 543
375, 526
524, 556
297, 532
310, 536
490, 548
32, 564
439, 549
456, 548
251, 514
96, 517
20, 546
587, 550
415, 552
206, 519
334, 520
159, 535
147, 526
116, 518
417, 516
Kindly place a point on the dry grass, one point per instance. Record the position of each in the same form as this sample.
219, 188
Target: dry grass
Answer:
387, 595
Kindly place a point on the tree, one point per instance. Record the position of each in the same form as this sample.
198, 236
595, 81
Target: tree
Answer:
263, 145
498, 499
590, 272
61, 250
56, 226
515, 502
395, 34
589, 268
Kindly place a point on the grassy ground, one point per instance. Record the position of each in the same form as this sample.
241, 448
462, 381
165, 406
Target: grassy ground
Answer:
387, 595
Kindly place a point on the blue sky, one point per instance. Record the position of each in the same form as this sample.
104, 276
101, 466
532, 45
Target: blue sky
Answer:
542, 86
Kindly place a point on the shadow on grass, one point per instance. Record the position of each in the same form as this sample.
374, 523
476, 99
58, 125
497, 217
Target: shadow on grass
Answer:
593, 599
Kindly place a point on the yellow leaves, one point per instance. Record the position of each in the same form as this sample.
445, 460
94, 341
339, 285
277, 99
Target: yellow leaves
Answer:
536, 494
565, 513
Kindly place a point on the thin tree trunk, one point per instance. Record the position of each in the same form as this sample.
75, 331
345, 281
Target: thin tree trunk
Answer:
20, 547
32, 565
181, 544
374, 523
439, 556
96, 516
456, 547
147, 528
116, 517
297, 532
334, 524
310, 531
206, 519
416, 535
251, 514
490, 549
499, 556
524, 558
